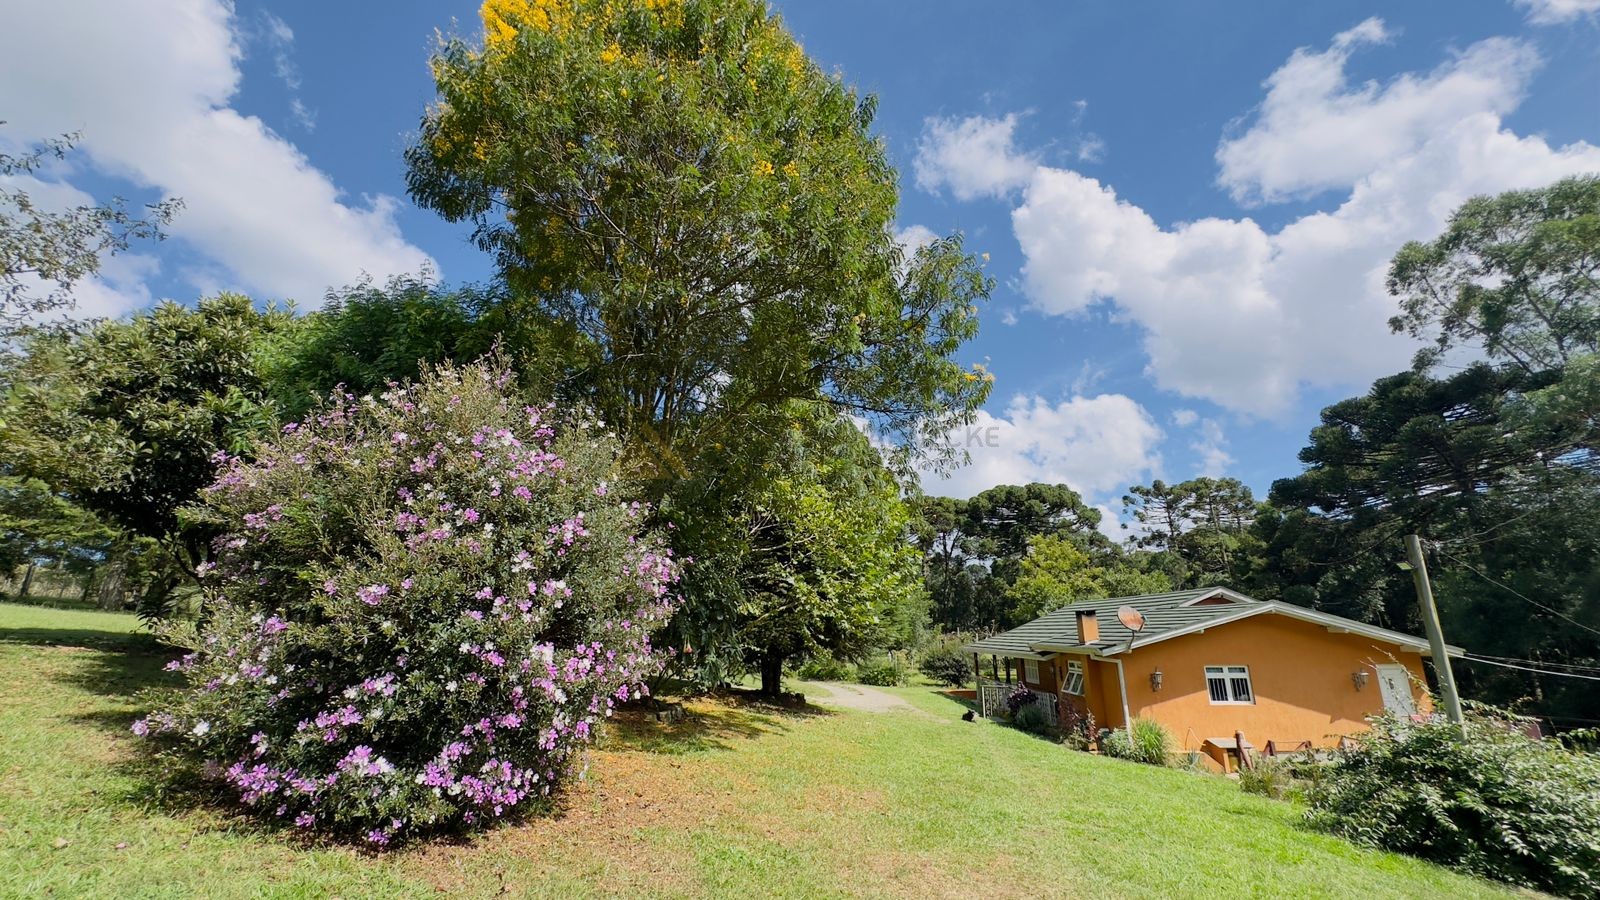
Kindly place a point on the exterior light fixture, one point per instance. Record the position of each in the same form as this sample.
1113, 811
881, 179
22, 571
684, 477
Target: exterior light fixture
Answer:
1360, 678
1155, 680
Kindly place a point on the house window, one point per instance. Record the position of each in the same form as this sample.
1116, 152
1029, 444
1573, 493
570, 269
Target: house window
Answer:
1229, 684
1073, 684
1030, 670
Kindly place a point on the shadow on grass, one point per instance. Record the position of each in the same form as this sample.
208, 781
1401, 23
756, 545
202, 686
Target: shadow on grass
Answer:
712, 723
86, 638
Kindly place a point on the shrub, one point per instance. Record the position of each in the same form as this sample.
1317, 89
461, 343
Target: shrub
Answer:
1116, 743
1078, 728
1147, 742
883, 672
1033, 718
425, 604
1497, 803
946, 665
824, 667
1268, 777
1019, 698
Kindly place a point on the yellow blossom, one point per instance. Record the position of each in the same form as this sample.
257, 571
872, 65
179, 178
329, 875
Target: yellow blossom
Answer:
611, 54
790, 170
764, 167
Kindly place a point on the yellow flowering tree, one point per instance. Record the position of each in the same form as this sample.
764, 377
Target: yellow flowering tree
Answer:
707, 214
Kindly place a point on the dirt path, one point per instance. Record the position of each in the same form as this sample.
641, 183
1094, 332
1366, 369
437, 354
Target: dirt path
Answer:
857, 696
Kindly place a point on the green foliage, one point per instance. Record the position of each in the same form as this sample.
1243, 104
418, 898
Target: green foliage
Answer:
1268, 777
882, 671
1032, 719
1201, 527
424, 606
711, 213
53, 250
123, 418
798, 542
826, 667
39, 526
974, 550
1497, 803
1056, 573
945, 664
1146, 742
1513, 274
698, 219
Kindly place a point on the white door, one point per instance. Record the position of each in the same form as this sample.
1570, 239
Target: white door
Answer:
1394, 682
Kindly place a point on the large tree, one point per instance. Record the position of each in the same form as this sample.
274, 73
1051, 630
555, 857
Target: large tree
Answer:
705, 219
1493, 464
45, 252
1517, 275
708, 210
123, 418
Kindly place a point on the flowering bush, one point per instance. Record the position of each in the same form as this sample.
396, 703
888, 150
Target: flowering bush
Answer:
424, 605
1019, 698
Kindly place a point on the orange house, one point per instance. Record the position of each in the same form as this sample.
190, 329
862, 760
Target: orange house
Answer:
1211, 665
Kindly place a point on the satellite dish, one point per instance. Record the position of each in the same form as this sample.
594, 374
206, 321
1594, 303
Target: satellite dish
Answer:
1131, 619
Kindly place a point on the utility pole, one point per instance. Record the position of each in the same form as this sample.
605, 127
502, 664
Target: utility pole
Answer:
1430, 621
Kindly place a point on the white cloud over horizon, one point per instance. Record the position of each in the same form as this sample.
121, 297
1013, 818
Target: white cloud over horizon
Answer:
1094, 444
1247, 318
149, 86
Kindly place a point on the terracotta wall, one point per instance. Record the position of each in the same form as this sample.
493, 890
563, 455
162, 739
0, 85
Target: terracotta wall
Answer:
1299, 671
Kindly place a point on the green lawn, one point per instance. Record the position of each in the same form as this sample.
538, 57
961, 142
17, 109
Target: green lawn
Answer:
738, 800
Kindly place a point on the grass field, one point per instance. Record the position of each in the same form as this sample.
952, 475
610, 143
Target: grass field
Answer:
737, 800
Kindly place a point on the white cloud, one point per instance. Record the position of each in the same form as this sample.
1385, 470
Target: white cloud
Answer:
1094, 444
1316, 132
1183, 418
913, 238
1091, 149
972, 157
1556, 12
1212, 445
1246, 317
149, 86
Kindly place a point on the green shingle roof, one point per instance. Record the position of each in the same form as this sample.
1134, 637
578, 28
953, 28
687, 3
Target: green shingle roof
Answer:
1165, 615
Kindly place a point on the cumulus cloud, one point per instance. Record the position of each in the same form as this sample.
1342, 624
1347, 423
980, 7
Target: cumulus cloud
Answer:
1094, 444
1557, 12
972, 157
149, 85
1212, 446
1316, 132
913, 238
1246, 317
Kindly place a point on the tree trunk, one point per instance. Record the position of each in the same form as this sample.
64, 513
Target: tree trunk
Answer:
27, 581
772, 674
113, 578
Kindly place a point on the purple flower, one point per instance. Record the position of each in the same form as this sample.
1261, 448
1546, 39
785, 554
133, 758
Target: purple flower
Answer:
373, 594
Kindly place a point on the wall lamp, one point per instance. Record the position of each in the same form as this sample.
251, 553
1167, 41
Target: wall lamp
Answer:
1155, 680
1360, 678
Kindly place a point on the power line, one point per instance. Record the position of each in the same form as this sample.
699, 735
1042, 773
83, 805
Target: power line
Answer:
1539, 662
1490, 662
1519, 594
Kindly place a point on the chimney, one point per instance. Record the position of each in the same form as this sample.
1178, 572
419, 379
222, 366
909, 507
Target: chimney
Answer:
1088, 626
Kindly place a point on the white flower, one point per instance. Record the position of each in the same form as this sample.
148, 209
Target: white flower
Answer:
450, 685
201, 727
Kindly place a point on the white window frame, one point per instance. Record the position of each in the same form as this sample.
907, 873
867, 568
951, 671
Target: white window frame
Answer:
1030, 670
1228, 675
1072, 683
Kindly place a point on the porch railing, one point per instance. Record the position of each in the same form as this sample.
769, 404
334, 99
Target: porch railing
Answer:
992, 699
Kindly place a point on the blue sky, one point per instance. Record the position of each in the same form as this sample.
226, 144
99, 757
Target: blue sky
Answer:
1187, 207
